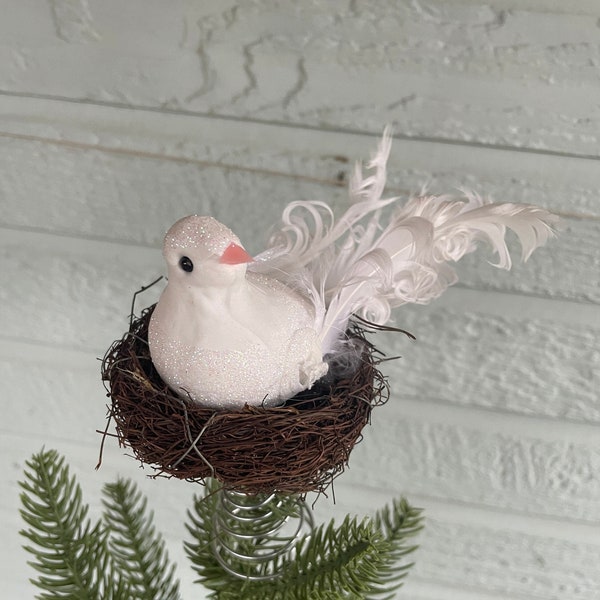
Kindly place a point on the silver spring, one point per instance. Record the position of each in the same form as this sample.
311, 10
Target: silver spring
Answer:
255, 534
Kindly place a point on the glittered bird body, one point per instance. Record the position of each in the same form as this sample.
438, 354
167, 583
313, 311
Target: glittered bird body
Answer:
223, 336
230, 330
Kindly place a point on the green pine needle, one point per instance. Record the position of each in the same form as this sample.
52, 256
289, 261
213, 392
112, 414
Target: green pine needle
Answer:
70, 554
136, 547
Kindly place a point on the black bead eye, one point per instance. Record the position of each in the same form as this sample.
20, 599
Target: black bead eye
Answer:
186, 264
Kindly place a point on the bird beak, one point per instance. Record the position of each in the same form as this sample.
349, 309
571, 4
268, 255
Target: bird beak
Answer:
235, 255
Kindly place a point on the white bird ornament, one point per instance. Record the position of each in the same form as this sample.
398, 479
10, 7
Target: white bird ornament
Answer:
222, 335
229, 329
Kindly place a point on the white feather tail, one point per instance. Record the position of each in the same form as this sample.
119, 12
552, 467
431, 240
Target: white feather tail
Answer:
361, 265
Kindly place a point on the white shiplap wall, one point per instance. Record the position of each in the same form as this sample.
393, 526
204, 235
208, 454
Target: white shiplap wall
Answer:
118, 118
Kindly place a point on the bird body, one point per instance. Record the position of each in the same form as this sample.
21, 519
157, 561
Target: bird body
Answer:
224, 336
230, 330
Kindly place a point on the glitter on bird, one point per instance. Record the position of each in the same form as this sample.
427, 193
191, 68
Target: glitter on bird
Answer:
230, 329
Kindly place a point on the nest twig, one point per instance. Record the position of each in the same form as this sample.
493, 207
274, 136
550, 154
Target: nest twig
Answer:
296, 448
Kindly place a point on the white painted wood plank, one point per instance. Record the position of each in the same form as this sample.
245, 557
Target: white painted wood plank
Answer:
109, 195
582, 7
564, 184
464, 463
523, 364
523, 76
493, 420
518, 306
135, 199
491, 562
56, 402
71, 294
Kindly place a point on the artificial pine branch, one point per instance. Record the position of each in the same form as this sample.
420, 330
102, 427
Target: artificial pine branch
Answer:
136, 547
126, 559
69, 552
356, 560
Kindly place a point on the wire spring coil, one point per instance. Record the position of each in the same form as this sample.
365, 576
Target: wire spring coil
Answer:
255, 534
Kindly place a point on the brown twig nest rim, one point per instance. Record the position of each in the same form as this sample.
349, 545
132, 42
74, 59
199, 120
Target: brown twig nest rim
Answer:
296, 448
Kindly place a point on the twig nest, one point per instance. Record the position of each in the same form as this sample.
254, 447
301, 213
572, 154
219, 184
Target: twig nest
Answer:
295, 448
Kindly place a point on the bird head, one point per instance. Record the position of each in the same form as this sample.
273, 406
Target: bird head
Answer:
201, 252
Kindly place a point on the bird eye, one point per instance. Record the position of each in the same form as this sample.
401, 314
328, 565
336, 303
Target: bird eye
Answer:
186, 264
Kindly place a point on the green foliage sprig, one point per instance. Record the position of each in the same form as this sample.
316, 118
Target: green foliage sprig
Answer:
357, 560
71, 555
122, 557
118, 558
135, 546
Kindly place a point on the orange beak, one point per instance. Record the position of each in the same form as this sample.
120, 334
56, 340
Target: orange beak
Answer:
235, 255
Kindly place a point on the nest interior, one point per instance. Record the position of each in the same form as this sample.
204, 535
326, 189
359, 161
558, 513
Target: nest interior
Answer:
296, 448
